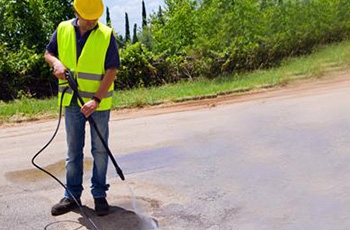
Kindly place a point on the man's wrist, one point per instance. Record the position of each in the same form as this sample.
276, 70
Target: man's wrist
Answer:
55, 64
98, 100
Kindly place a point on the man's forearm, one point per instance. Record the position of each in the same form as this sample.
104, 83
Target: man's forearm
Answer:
50, 59
58, 68
106, 83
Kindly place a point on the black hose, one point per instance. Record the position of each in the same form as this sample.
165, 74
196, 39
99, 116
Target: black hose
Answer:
51, 175
74, 87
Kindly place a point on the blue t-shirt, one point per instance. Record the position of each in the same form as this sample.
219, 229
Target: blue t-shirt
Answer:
112, 56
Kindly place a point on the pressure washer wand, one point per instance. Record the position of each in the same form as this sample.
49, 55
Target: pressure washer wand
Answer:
74, 86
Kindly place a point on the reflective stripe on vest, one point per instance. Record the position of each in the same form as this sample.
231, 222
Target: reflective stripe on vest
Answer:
84, 94
89, 70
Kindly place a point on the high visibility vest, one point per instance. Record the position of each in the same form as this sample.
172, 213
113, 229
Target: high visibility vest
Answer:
89, 69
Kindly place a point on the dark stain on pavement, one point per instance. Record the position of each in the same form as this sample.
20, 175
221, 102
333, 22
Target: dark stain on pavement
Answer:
148, 160
130, 163
34, 174
120, 219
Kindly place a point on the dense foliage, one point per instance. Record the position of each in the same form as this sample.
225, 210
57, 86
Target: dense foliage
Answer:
206, 38
186, 40
26, 26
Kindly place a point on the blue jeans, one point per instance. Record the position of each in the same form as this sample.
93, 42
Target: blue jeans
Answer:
75, 129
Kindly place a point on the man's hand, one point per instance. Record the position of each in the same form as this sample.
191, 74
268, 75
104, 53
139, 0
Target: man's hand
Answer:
89, 107
59, 70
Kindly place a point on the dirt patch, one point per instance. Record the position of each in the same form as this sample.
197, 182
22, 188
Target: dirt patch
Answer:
294, 88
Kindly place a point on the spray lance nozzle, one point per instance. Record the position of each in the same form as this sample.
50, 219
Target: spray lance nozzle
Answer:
74, 86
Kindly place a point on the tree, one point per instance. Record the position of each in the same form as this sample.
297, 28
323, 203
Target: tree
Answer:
146, 38
2, 12
24, 25
160, 16
134, 38
127, 29
180, 28
57, 11
108, 18
120, 41
144, 15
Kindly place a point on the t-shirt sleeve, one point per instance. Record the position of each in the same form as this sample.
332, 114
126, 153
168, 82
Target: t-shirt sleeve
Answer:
112, 56
52, 46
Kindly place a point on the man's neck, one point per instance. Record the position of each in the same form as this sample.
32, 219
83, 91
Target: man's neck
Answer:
81, 30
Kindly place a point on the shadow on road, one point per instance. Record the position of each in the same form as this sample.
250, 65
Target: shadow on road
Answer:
118, 218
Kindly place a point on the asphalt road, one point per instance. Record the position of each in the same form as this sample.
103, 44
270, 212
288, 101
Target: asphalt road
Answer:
267, 161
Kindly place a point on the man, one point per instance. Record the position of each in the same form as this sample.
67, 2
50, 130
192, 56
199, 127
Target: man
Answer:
88, 48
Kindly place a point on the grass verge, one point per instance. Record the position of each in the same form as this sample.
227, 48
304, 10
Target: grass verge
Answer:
324, 59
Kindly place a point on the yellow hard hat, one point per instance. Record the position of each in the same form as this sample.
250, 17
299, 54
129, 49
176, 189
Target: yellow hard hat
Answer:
89, 9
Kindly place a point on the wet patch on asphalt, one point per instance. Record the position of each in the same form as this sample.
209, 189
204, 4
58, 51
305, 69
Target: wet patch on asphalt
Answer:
130, 163
34, 174
147, 160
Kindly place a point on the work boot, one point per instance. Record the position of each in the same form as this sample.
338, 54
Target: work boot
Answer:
101, 206
65, 205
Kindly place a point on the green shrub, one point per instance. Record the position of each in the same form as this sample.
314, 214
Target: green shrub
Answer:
24, 73
136, 68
